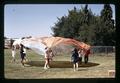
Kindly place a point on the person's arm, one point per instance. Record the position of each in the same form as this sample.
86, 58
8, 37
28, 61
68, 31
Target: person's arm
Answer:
79, 54
45, 54
52, 54
24, 50
72, 58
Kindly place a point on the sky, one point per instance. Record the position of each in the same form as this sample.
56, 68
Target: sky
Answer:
23, 20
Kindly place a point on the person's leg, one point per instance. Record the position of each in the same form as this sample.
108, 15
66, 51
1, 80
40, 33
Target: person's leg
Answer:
46, 63
77, 66
22, 62
22, 58
45, 66
86, 59
13, 55
80, 59
74, 66
25, 59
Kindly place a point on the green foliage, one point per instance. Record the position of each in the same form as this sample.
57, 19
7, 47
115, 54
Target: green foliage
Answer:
107, 27
83, 25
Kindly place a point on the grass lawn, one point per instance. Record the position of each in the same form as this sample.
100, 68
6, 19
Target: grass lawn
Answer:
61, 67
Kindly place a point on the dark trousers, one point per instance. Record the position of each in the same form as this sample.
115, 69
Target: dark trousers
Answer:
80, 59
86, 59
22, 55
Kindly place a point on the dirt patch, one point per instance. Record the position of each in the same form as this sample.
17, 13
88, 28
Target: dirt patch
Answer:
60, 64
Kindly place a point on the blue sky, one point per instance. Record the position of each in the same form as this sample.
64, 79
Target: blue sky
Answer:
21, 20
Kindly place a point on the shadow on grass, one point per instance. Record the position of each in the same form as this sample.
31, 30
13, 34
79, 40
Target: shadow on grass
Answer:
60, 64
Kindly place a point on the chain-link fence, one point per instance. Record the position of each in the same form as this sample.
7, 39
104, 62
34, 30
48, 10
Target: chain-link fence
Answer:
61, 50
102, 49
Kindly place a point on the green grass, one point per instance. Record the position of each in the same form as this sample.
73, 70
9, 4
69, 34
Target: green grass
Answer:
61, 67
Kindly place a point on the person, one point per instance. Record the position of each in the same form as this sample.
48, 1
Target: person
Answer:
74, 59
80, 52
86, 56
51, 54
48, 57
22, 53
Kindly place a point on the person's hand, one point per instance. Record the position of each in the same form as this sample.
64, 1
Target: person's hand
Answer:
23, 52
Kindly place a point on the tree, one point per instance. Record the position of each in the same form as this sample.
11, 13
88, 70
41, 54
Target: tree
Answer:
57, 29
106, 33
83, 25
79, 24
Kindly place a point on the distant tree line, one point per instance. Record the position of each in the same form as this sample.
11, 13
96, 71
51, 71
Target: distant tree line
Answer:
83, 25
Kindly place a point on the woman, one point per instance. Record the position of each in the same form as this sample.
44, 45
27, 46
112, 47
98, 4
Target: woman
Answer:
75, 59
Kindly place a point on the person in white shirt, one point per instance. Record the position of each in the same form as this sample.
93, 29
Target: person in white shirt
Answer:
48, 57
80, 55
